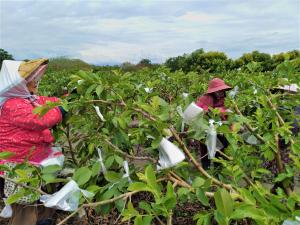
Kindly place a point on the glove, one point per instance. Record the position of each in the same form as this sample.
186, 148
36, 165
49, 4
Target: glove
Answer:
62, 111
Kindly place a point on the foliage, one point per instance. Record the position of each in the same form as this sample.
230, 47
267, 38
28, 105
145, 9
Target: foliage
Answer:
135, 120
217, 62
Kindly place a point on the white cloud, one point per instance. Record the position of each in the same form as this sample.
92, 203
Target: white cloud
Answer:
118, 31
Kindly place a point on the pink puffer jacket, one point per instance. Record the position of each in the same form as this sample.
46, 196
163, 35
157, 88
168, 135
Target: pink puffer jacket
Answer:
24, 133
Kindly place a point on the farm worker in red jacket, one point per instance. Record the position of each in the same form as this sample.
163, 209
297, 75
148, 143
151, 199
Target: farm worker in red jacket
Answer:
214, 96
23, 133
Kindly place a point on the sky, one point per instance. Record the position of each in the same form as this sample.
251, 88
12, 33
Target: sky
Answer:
112, 32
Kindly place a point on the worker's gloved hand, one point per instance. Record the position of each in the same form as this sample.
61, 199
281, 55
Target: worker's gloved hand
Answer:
63, 112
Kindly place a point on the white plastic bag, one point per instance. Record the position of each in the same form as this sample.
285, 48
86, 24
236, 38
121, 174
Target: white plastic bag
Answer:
55, 158
67, 198
103, 168
148, 90
6, 211
185, 95
180, 112
191, 113
290, 222
211, 140
169, 154
127, 174
234, 92
99, 113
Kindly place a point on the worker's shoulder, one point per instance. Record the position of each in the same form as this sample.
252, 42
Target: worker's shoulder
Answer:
205, 99
15, 101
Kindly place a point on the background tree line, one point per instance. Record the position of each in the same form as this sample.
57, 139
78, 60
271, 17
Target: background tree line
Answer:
198, 61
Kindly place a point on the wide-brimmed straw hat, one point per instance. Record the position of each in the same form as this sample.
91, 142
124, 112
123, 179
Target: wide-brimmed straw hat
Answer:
27, 68
217, 84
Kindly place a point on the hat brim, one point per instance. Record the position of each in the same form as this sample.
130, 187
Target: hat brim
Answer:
221, 88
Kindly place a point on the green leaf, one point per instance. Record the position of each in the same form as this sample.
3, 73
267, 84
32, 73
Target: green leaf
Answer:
119, 160
82, 175
224, 202
6, 155
202, 197
109, 161
198, 182
170, 198
93, 188
220, 218
145, 206
139, 186
138, 220
96, 169
147, 220
248, 211
202, 218
51, 169
151, 178
49, 178
15, 197
99, 90
112, 176
129, 212
246, 194
91, 148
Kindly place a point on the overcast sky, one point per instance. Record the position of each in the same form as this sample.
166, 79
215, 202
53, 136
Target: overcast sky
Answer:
102, 32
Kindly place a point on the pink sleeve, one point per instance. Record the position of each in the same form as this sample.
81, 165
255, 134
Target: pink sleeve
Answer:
19, 112
203, 103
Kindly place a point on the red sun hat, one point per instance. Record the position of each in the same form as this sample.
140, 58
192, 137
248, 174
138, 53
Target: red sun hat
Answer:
217, 84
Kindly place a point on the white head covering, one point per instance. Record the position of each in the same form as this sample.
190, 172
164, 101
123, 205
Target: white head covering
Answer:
12, 84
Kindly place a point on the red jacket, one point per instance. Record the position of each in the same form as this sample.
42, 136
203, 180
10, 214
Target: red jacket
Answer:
23, 132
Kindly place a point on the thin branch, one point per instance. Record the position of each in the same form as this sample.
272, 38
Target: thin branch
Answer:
116, 149
197, 164
248, 126
95, 204
225, 156
24, 185
70, 145
145, 114
281, 121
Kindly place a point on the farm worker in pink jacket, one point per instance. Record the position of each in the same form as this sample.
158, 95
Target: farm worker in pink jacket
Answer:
214, 96
22, 132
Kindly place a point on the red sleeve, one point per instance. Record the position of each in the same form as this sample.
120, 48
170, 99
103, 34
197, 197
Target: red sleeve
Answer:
19, 112
42, 99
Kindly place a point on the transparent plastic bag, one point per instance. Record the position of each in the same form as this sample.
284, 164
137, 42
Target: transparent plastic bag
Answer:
211, 140
99, 113
67, 198
148, 90
127, 174
185, 95
234, 92
169, 154
290, 222
250, 138
6, 211
103, 168
180, 112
